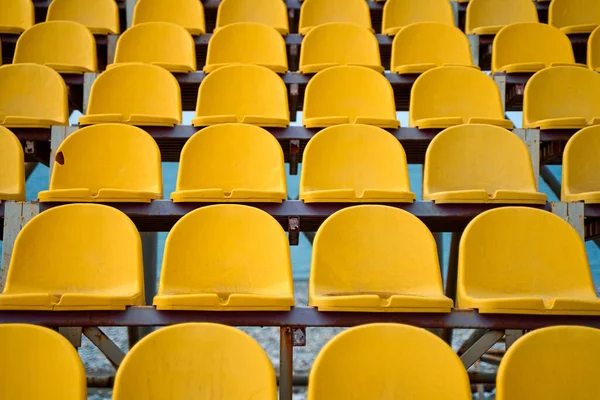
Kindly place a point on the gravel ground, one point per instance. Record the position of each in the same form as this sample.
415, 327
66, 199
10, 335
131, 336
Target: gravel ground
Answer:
96, 363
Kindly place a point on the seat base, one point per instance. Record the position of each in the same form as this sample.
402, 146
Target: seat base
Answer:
574, 29
67, 301
279, 69
223, 302
314, 68
264, 121
533, 305
219, 196
323, 122
104, 195
132, 119
378, 302
586, 197
446, 122
481, 196
352, 196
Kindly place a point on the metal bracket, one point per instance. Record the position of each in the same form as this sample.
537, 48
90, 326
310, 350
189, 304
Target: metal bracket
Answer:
455, 12
299, 336
294, 230
294, 157
512, 335
474, 44
88, 80
72, 334
129, 6
294, 98
500, 80
29, 147
286, 363
531, 138
572, 213
480, 347
112, 352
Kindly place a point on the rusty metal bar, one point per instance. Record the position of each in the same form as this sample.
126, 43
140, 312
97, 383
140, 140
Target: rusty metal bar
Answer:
112, 352
286, 363
480, 347
451, 279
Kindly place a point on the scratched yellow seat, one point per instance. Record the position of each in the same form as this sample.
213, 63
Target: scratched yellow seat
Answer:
100, 16
354, 163
593, 50
186, 13
318, 12
12, 167
210, 171
487, 17
349, 94
339, 43
581, 167
28, 351
165, 44
65, 46
519, 260
374, 258
386, 361
422, 46
479, 164
226, 257
530, 47
16, 16
456, 95
251, 94
554, 363
247, 43
574, 16
136, 94
32, 96
196, 361
106, 163
75, 257
562, 98
400, 13
268, 12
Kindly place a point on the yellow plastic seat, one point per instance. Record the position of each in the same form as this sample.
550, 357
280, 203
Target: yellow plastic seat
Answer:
76, 257
39, 363
519, 260
530, 47
574, 16
487, 17
267, 12
554, 363
226, 257
373, 258
593, 50
448, 96
250, 94
318, 12
386, 361
65, 46
354, 163
32, 96
247, 43
106, 163
136, 94
12, 167
231, 162
100, 16
479, 164
186, 13
339, 43
562, 98
16, 16
422, 46
400, 13
349, 94
581, 167
199, 361
164, 44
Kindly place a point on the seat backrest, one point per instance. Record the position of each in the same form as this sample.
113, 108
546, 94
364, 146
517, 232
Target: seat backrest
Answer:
593, 50
65, 46
469, 157
560, 92
212, 157
186, 13
115, 156
566, 13
558, 362
522, 251
317, 12
162, 43
454, 92
354, 156
400, 13
243, 90
379, 361
79, 248
267, 12
227, 248
531, 43
100, 16
247, 43
12, 167
495, 13
196, 361
41, 94
136, 88
339, 43
38, 363
16, 16
430, 43
581, 164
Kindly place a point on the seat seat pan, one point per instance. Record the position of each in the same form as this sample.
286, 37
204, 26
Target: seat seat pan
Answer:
536, 305
586, 197
236, 195
382, 303
322, 122
67, 301
103, 195
352, 196
481, 196
132, 119
446, 122
260, 120
228, 302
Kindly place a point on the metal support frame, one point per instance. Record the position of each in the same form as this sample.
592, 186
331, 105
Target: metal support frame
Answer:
88, 80
480, 347
511, 336
531, 138
573, 213
451, 278
456, 13
16, 215
111, 48
474, 44
500, 80
57, 135
129, 6
72, 334
112, 352
286, 363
